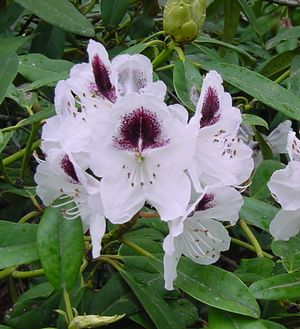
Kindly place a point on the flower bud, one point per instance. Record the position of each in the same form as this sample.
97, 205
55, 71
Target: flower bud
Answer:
92, 321
183, 19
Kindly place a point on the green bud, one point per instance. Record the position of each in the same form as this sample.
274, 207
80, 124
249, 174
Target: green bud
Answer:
92, 321
183, 19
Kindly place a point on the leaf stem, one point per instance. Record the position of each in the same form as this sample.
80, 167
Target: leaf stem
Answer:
68, 305
249, 247
27, 274
137, 248
31, 214
14, 157
250, 236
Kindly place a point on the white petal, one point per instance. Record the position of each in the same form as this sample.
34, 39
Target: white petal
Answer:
285, 186
97, 230
157, 89
134, 73
285, 224
179, 112
293, 146
225, 205
169, 195
170, 264
278, 137
64, 101
204, 239
96, 49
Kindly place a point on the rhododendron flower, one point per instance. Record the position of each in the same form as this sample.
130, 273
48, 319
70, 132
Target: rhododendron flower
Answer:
101, 82
285, 187
59, 176
221, 158
148, 149
199, 234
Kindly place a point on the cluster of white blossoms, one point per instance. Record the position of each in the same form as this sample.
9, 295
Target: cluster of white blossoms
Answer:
114, 145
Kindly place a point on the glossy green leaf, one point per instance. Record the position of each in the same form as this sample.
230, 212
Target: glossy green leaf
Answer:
216, 287
18, 254
115, 297
33, 313
284, 35
250, 15
112, 11
37, 66
231, 20
213, 286
262, 175
289, 251
254, 120
9, 16
12, 44
144, 281
258, 213
136, 49
187, 83
8, 71
283, 286
61, 13
258, 86
218, 319
254, 269
5, 139
205, 39
60, 246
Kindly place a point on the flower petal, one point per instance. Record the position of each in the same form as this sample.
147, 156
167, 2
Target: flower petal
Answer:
293, 146
285, 224
285, 186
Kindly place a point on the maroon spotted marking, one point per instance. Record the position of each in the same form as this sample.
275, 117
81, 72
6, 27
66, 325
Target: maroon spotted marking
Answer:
139, 130
102, 80
211, 106
204, 202
68, 167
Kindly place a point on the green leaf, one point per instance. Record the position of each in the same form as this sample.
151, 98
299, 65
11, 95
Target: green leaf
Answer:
5, 139
12, 234
18, 254
143, 285
112, 11
136, 49
254, 269
254, 120
258, 213
60, 246
283, 286
115, 297
33, 313
289, 251
284, 35
8, 71
250, 15
262, 175
258, 86
216, 287
37, 66
218, 319
187, 83
205, 39
12, 44
61, 13
9, 16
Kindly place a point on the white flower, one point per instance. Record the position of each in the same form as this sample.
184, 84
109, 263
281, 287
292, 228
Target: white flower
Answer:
221, 158
277, 140
285, 187
199, 235
100, 83
148, 150
59, 176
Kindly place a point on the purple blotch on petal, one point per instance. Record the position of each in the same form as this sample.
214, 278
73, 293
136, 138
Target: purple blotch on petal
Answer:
139, 130
210, 108
68, 167
102, 80
204, 203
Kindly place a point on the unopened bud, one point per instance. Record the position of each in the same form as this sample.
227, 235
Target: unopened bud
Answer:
92, 321
183, 19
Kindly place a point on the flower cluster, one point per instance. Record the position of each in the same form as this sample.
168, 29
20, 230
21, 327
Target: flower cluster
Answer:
114, 145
